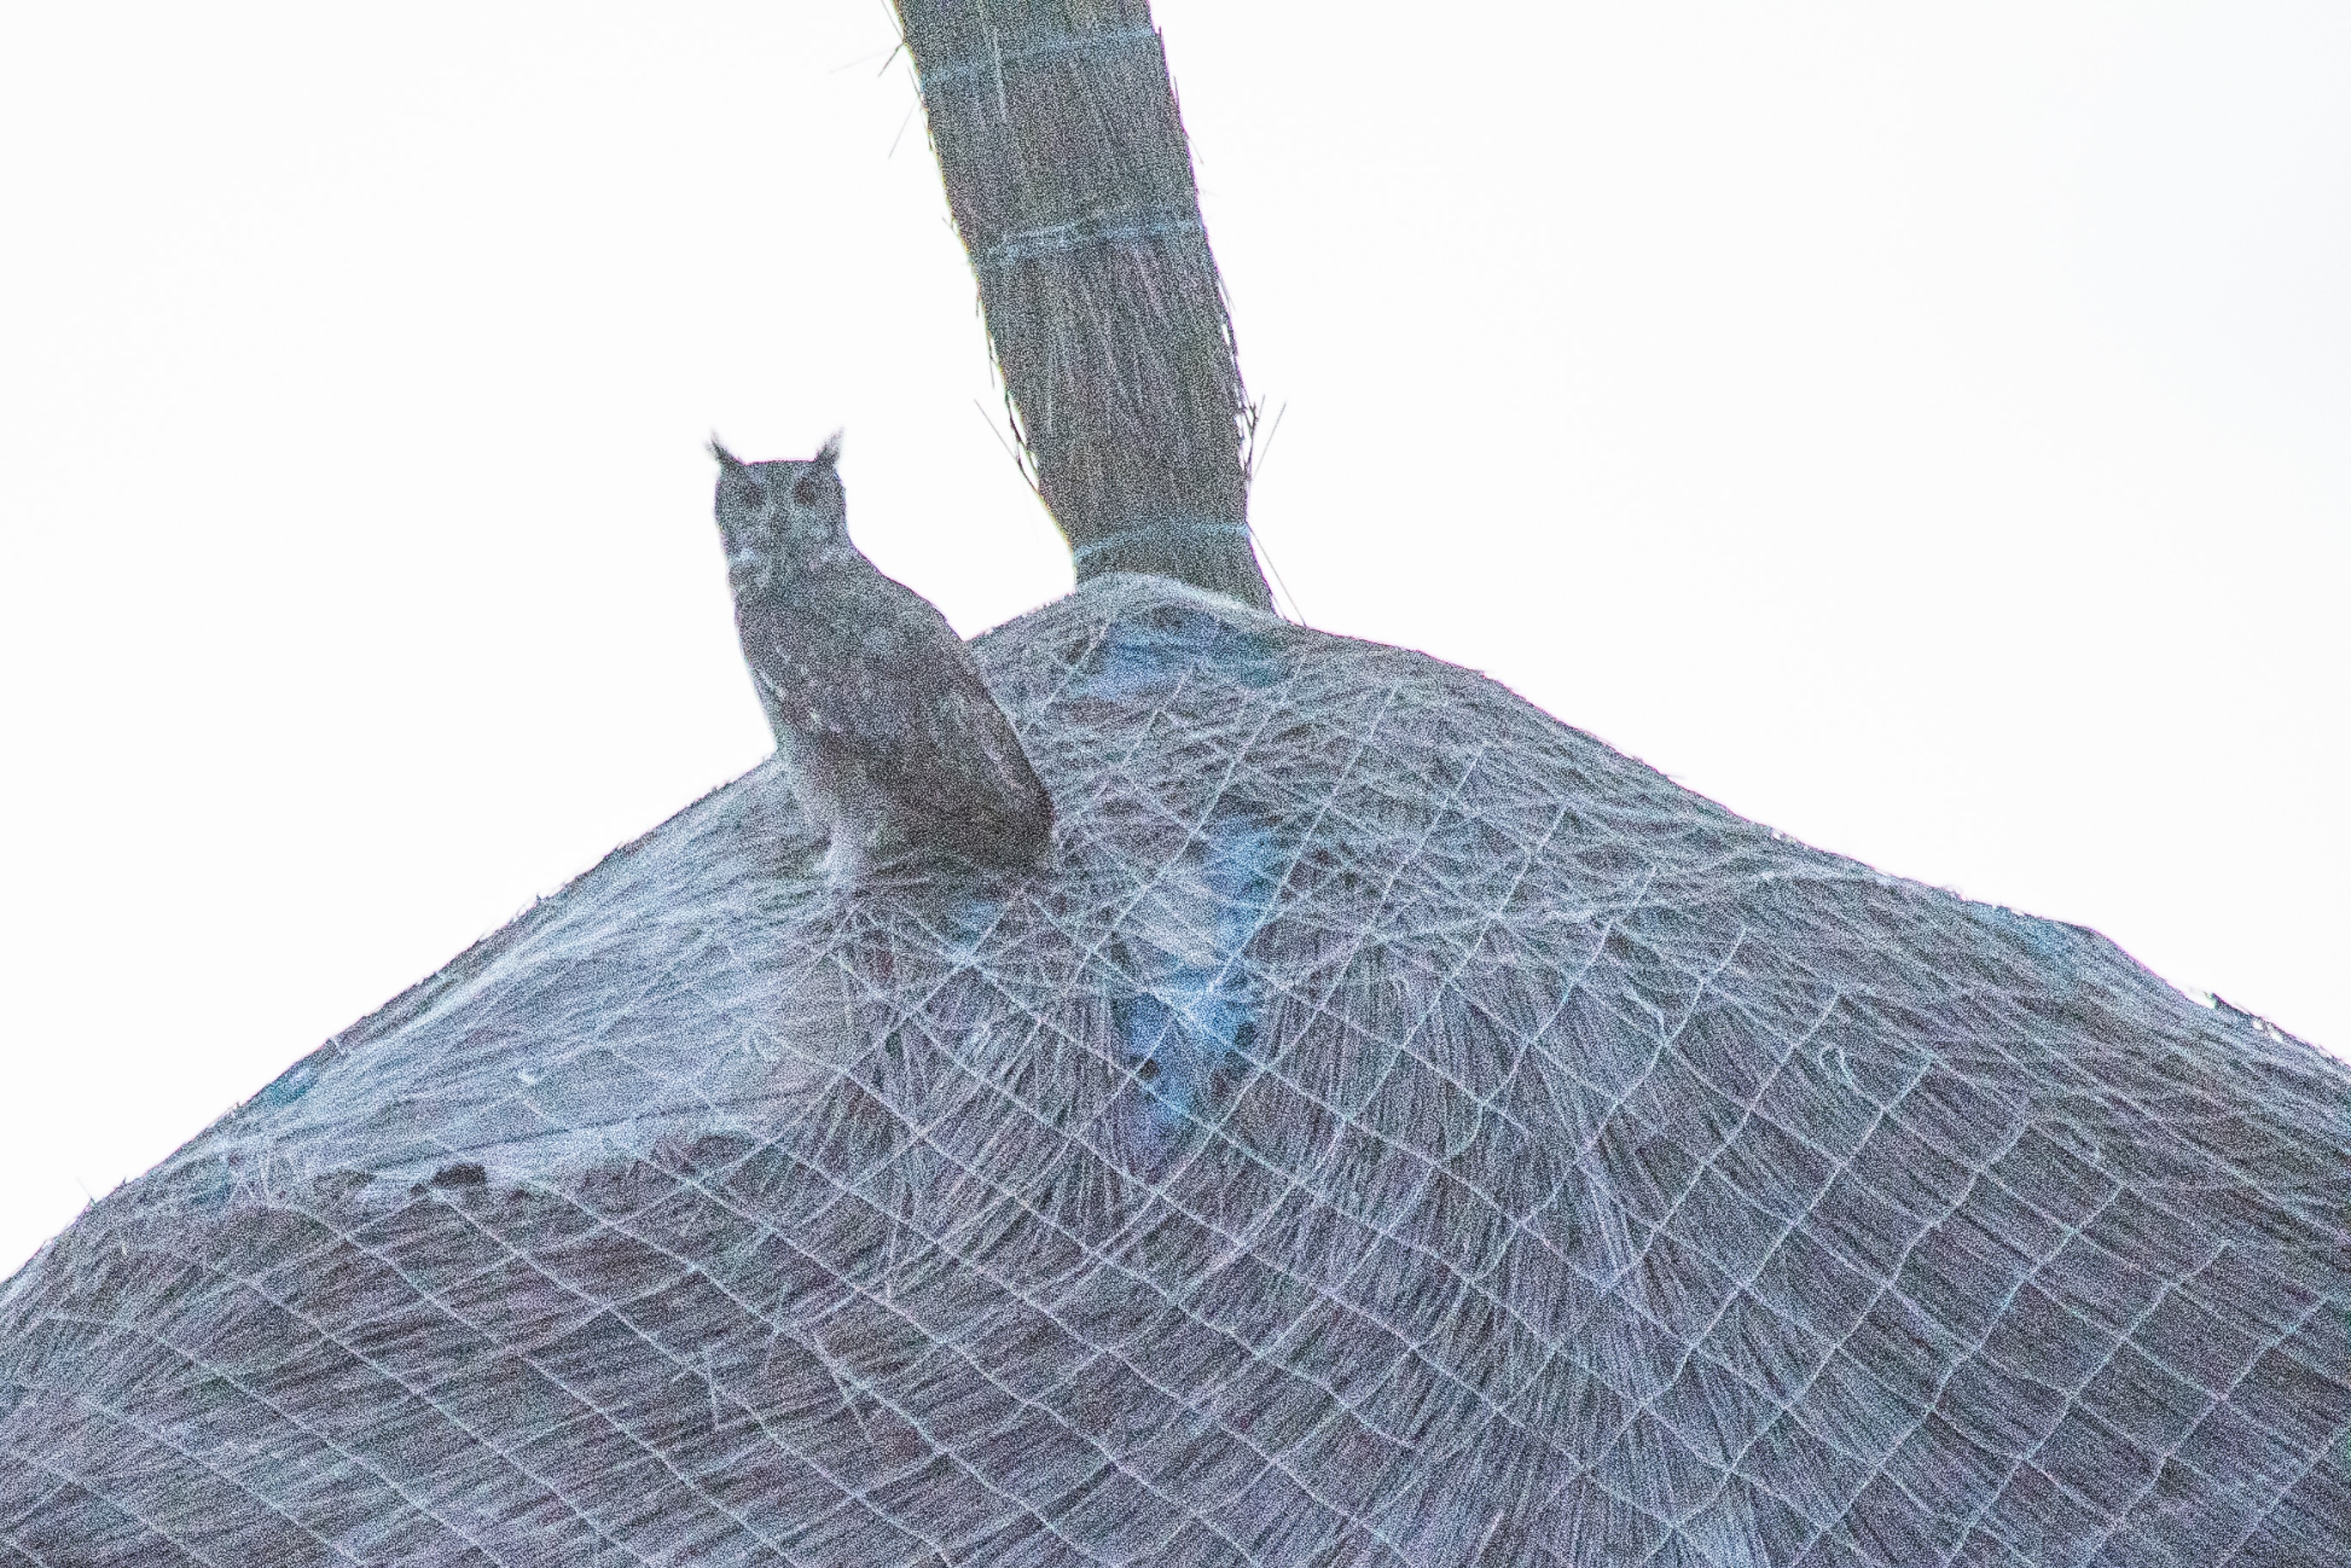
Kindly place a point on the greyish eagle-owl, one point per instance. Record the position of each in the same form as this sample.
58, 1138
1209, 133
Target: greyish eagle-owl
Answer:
895, 746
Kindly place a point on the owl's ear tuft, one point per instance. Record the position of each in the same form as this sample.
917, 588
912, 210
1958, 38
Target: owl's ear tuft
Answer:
725, 459
829, 454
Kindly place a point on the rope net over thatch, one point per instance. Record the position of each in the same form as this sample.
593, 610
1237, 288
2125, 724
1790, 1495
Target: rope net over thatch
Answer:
1399, 1130
1070, 179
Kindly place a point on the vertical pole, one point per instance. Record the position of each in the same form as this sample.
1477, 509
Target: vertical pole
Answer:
1070, 179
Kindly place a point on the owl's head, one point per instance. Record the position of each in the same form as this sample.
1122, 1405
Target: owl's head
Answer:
774, 515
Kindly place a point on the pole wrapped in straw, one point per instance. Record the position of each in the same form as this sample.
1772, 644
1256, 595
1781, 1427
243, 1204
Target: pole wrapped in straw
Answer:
1070, 178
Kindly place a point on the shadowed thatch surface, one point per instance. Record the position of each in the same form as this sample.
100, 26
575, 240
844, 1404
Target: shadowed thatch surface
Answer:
1070, 178
1402, 1130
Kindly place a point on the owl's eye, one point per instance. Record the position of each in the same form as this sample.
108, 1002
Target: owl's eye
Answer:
755, 496
806, 490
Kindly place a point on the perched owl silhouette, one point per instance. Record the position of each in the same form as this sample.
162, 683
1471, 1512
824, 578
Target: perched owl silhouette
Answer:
895, 747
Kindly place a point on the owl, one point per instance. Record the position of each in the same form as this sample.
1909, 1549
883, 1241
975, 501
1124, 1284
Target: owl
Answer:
894, 745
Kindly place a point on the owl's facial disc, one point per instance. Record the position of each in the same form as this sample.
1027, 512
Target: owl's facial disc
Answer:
807, 503
746, 523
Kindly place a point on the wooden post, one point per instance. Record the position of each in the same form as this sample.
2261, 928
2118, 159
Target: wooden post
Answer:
1070, 178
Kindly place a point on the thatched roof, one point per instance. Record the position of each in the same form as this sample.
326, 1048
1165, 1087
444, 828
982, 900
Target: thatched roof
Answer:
1402, 1130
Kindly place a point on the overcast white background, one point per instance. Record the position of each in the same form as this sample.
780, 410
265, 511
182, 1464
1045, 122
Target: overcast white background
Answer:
1925, 429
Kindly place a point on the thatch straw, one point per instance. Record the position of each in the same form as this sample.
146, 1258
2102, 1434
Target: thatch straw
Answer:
1399, 1132
1071, 181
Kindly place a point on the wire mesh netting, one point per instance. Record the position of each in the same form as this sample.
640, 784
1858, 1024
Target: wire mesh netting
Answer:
1401, 1130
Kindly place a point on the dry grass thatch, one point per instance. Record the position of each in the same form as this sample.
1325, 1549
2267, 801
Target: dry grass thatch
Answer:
1071, 181
1399, 1130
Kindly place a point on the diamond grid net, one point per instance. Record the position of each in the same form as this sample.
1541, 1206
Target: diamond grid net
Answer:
1401, 1130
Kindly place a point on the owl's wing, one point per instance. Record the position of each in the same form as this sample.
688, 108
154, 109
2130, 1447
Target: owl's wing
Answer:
872, 672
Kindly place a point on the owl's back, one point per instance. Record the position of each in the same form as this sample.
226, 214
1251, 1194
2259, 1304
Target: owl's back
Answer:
895, 744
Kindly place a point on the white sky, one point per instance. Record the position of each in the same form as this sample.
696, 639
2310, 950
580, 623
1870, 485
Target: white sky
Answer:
1925, 429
